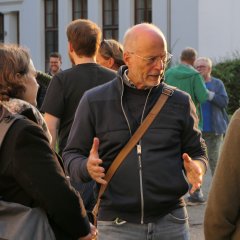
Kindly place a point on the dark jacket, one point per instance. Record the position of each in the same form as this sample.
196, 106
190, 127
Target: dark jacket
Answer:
145, 187
30, 174
43, 80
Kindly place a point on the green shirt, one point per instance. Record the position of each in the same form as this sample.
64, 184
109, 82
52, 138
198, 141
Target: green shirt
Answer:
188, 79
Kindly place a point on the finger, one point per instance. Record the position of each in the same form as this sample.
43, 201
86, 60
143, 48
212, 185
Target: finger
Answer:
95, 175
94, 161
95, 146
94, 232
95, 169
101, 181
194, 188
93, 166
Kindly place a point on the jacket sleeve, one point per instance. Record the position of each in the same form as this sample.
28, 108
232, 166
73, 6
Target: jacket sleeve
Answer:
222, 212
200, 89
192, 140
220, 98
79, 143
38, 172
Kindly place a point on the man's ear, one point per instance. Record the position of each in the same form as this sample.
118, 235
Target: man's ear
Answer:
110, 62
70, 47
18, 75
126, 58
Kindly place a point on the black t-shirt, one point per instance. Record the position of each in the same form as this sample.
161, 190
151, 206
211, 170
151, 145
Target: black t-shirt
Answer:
65, 91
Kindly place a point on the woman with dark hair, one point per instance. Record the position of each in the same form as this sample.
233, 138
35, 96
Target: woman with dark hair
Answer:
110, 54
30, 171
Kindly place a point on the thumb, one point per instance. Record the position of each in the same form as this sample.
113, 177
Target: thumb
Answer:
186, 158
95, 146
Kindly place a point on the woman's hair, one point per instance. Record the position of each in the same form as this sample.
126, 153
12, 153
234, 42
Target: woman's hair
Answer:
111, 48
14, 62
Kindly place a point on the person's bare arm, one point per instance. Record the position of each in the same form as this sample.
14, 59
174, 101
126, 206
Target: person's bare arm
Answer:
53, 126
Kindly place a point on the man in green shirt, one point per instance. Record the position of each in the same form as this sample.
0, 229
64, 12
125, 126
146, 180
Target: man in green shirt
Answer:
185, 77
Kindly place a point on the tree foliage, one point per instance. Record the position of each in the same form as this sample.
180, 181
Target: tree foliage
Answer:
229, 72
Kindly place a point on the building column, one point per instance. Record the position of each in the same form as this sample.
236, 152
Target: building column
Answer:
64, 18
95, 11
161, 16
32, 33
126, 16
11, 27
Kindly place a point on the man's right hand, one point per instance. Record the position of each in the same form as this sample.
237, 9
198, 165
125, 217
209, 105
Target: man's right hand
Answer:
93, 164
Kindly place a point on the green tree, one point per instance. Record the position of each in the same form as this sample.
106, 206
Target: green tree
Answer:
229, 72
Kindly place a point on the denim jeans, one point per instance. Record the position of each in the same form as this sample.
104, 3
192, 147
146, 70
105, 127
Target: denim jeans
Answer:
213, 143
169, 227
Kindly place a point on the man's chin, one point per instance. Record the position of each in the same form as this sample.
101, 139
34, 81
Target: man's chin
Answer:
154, 81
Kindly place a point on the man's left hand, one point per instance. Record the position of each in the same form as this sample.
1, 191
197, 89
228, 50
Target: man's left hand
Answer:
194, 172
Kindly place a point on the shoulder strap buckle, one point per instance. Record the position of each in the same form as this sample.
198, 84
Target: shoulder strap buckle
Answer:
167, 90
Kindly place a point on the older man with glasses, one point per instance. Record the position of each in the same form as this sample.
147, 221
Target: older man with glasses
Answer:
215, 118
144, 199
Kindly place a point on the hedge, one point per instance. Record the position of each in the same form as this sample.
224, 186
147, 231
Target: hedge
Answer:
229, 72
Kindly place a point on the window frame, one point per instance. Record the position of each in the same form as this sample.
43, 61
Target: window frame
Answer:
145, 9
52, 29
114, 26
1, 27
83, 13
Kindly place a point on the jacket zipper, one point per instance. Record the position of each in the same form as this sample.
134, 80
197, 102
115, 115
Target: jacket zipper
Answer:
139, 153
139, 150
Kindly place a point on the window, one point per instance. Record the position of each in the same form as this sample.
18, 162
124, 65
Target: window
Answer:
1, 28
143, 11
79, 9
110, 19
51, 28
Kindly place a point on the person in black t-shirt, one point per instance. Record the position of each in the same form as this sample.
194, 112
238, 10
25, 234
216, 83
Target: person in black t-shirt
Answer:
68, 86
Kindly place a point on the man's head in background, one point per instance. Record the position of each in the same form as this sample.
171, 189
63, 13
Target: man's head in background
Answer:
55, 62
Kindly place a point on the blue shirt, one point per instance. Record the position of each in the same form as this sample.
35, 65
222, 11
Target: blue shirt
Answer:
207, 112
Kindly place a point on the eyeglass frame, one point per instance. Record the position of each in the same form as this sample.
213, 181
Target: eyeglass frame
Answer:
202, 66
153, 60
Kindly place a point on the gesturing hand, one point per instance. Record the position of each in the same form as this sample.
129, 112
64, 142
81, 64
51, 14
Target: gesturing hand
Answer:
96, 172
193, 172
92, 235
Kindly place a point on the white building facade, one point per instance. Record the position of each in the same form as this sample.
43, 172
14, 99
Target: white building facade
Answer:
208, 26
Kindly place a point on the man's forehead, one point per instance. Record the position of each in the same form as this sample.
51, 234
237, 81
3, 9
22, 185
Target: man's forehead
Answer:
201, 62
54, 59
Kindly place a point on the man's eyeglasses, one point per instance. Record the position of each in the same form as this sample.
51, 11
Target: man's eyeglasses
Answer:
152, 60
200, 66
